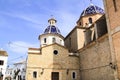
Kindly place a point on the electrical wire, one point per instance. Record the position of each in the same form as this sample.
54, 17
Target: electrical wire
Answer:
17, 57
11, 43
10, 62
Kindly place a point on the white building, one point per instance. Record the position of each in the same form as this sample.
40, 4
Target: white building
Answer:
19, 71
9, 73
3, 63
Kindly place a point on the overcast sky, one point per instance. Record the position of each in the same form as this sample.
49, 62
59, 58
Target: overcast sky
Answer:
22, 21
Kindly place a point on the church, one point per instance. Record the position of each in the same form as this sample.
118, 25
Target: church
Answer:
52, 60
88, 52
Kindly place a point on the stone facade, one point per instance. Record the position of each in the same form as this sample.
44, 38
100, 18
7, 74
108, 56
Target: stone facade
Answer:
113, 23
95, 60
46, 62
94, 53
75, 39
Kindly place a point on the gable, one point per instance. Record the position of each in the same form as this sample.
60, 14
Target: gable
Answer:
55, 44
54, 49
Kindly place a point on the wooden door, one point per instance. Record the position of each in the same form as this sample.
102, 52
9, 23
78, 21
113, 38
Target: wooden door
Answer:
55, 76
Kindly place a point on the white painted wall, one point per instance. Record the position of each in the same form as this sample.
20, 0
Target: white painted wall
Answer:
22, 67
49, 41
4, 66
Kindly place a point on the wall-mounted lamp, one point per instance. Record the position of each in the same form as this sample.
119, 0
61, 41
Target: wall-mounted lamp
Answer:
42, 71
113, 66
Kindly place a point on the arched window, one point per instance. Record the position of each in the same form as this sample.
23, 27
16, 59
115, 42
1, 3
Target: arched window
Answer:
90, 20
115, 6
73, 75
53, 40
60, 41
34, 74
45, 40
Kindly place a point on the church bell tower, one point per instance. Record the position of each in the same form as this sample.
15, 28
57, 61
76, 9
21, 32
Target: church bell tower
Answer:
51, 34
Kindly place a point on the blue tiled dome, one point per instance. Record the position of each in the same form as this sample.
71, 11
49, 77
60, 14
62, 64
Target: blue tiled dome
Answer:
52, 29
92, 9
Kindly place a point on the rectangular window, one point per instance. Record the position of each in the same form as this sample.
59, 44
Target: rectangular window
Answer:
45, 40
1, 62
53, 40
19, 77
114, 4
55, 76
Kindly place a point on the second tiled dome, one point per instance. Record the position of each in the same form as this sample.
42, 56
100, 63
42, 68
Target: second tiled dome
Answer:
92, 9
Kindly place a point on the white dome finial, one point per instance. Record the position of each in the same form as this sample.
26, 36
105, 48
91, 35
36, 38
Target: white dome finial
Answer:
91, 2
52, 21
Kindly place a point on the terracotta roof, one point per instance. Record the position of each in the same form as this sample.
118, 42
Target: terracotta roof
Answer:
33, 48
3, 53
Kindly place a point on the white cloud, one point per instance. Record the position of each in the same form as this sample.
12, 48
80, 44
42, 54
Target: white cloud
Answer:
26, 17
20, 46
